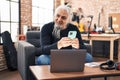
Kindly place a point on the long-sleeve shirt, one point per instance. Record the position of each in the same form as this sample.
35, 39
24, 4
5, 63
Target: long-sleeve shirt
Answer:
48, 41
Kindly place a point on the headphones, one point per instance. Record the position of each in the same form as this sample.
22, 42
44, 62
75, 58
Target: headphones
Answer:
110, 65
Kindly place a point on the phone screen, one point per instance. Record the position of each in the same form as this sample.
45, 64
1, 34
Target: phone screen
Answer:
72, 34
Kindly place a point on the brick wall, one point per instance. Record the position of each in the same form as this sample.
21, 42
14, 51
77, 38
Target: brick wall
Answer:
3, 64
90, 7
26, 13
93, 7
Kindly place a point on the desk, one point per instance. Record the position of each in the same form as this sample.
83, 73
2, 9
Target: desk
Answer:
105, 37
43, 73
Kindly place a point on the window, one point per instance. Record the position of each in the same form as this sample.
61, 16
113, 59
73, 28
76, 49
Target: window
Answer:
9, 17
42, 12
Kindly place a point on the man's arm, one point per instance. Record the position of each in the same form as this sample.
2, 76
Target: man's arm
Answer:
46, 39
81, 44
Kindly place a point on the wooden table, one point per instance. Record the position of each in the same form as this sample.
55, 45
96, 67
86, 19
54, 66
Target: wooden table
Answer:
105, 37
43, 73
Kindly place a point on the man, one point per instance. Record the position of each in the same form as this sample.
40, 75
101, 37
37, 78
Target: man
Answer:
54, 36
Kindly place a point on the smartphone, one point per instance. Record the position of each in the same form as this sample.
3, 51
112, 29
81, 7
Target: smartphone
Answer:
72, 34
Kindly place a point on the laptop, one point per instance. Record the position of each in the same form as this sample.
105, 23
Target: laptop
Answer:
67, 60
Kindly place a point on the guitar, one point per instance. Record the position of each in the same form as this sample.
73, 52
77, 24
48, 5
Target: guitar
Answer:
98, 28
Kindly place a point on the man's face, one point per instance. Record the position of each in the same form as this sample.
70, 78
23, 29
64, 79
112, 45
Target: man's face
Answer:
61, 18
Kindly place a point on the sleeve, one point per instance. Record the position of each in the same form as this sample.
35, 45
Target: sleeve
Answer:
46, 39
82, 46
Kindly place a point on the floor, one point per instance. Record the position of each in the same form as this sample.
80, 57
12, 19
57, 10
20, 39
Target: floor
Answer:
14, 75
10, 75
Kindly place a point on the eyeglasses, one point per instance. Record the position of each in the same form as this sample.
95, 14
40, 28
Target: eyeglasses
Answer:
62, 17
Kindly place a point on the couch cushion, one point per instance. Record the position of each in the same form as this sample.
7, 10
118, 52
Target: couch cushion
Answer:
33, 37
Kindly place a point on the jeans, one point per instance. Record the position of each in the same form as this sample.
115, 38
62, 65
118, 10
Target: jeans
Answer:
45, 59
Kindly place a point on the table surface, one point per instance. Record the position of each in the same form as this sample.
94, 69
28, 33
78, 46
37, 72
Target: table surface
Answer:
101, 36
43, 73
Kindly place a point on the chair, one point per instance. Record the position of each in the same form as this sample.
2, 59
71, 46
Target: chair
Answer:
27, 51
9, 51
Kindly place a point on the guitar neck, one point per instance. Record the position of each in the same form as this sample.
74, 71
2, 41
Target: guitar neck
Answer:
99, 20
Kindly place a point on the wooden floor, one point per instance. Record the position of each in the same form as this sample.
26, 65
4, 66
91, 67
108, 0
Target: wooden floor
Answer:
14, 75
10, 75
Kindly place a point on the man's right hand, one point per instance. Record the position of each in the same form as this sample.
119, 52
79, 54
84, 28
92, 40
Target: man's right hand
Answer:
64, 42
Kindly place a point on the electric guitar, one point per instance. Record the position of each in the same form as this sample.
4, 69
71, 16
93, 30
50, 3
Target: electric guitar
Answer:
98, 27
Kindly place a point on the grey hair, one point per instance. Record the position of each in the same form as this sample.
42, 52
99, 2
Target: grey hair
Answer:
64, 7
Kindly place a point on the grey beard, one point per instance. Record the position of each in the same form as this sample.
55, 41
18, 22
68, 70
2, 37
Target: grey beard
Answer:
56, 31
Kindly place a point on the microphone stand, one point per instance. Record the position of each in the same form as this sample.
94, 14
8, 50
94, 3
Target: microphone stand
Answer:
89, 26
113, 30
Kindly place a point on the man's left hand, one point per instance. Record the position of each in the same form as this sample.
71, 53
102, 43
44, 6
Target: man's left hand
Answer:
75, 43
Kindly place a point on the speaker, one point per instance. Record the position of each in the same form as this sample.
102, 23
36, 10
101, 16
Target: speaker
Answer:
117, 65
110, 23
110, 65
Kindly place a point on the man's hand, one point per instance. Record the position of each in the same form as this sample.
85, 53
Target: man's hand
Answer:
75, 43
65, 42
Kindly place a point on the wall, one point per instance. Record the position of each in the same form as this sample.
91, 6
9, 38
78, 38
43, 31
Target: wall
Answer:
94, 7
3, 64
90, 7
26, 13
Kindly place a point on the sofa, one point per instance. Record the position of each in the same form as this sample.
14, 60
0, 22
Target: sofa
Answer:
27, 52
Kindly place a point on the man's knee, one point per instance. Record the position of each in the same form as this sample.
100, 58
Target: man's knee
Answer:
89, 58
43, 60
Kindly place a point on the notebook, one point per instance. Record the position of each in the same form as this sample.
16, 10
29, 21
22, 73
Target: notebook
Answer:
67, 60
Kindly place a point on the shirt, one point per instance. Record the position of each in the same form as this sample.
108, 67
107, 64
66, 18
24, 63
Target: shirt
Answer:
48, 41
